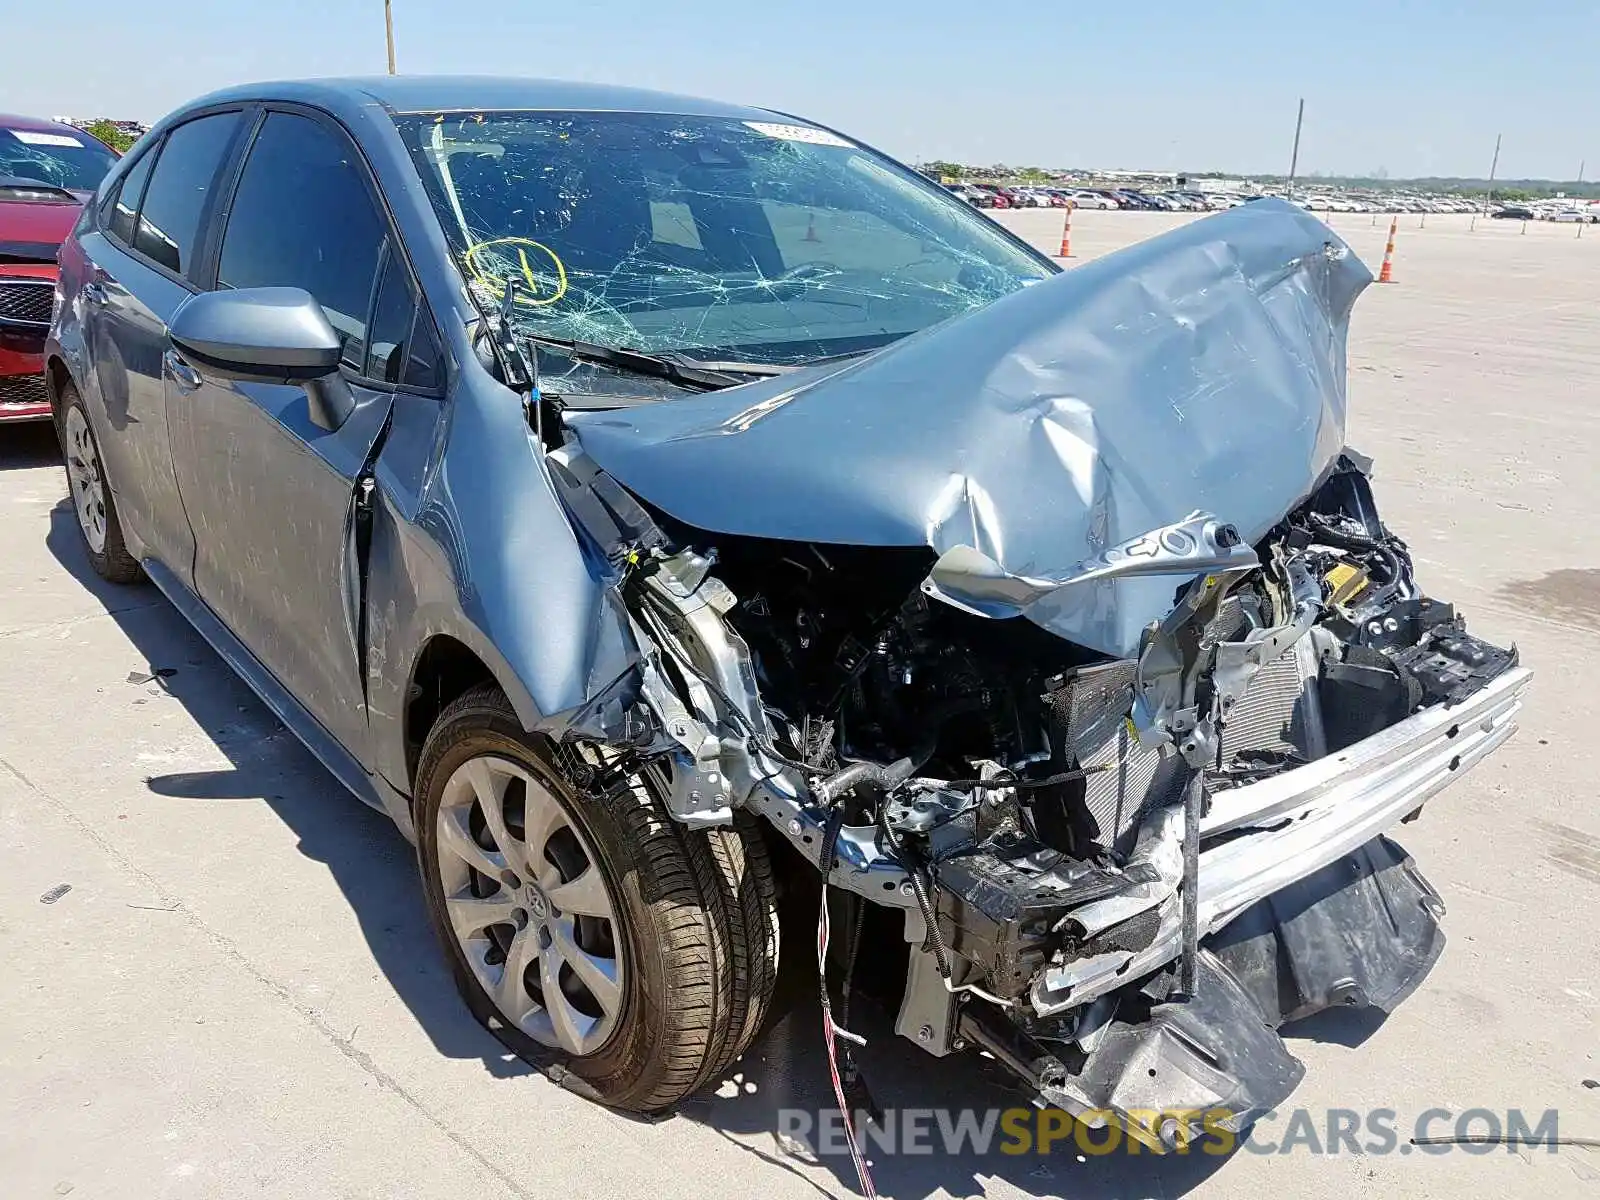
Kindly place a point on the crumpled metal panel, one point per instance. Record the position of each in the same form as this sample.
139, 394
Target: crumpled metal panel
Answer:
1203, 369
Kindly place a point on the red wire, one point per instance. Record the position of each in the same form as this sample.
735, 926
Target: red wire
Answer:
829, 1037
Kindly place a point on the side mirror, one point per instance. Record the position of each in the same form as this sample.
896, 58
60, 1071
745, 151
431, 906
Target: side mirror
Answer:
266, 335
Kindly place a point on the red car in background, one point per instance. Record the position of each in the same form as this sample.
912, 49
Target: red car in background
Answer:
47, 172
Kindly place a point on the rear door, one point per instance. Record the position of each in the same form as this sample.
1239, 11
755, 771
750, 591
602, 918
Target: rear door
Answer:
270, 495
140, 268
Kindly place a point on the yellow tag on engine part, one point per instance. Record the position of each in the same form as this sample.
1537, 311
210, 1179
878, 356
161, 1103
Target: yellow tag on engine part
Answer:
1346, 582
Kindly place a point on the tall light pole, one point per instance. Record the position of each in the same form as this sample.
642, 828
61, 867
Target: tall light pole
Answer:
1494, 165
1294, 158
388, 30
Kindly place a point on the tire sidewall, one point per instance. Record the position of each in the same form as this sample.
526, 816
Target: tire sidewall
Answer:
483, 731
112, 561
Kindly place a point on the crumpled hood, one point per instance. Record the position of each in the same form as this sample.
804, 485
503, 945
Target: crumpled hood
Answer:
1203, 369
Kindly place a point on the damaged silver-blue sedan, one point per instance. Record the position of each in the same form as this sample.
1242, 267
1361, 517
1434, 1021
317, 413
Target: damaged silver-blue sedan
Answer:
672, 512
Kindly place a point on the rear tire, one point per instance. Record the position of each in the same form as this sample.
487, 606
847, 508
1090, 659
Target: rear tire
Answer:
92, 502
687, 946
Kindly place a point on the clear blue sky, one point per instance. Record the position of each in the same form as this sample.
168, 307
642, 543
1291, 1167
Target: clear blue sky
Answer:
1416, 88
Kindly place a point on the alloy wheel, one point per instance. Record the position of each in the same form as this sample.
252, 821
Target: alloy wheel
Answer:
85, 480
528, 906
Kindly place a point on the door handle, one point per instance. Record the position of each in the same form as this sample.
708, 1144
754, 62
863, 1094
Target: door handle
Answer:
180, 372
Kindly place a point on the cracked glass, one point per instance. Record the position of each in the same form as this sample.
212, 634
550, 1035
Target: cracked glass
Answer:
712, 238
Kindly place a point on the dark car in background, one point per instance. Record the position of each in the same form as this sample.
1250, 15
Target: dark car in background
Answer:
1134, 199
47, 172
974, 196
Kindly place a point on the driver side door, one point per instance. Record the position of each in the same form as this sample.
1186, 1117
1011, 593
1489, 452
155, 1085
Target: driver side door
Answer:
273, 495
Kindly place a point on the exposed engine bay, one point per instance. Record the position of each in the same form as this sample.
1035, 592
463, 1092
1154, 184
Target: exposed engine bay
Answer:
1112, 780
1038, 811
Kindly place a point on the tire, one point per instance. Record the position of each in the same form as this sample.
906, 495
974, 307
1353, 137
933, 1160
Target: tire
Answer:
682, 950
93, 505
749, 898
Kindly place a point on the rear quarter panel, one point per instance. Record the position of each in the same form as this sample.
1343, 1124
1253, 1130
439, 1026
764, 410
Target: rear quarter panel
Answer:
113, 354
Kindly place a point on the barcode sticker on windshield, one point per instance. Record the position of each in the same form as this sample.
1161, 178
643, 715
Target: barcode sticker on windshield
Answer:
29, 138
798, 133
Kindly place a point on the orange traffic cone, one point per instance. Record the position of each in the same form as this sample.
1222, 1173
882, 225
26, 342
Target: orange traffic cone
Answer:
811, 229
1066, 234
1386, 272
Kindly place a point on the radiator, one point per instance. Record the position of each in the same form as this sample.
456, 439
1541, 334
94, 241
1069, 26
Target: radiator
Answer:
1278, 713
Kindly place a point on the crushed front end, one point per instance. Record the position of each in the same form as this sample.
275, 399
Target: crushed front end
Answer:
1119, 876
1117, 779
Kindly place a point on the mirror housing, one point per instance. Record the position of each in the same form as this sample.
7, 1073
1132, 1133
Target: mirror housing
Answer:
266, 335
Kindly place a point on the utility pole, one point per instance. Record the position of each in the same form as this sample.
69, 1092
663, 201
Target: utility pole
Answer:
1488, 197
1577, 195
388, 30
1494, 165
1294, 158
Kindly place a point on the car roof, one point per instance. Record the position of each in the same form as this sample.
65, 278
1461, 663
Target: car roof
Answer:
476, 93
36, 125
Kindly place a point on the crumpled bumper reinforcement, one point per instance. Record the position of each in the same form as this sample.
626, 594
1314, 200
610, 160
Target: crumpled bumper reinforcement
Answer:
1362, 931
1291, 825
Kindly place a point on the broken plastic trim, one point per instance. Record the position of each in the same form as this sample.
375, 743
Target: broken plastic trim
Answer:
1307, 818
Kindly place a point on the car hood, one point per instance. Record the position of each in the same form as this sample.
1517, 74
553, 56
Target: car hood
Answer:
34, 230
1203, 369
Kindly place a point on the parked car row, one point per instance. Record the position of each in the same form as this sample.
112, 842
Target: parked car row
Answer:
995, 195
1567, 211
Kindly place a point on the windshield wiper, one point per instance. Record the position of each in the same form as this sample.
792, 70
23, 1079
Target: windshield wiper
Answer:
637, 362
17, 183
760, 368
736, 368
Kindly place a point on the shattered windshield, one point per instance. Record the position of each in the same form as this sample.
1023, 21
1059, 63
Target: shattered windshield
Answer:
76, 162
708, 237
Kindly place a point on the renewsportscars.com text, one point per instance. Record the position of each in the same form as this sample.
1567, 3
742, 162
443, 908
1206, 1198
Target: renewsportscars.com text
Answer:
1332, 1131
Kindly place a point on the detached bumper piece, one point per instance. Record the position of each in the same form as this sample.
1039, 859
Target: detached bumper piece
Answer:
1362, 931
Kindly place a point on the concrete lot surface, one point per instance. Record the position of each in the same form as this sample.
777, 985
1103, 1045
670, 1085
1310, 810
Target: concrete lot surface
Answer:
239, 997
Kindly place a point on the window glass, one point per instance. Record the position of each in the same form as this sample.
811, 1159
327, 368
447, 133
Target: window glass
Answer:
673, 221
303, 217
707, 236
59, 158
175, 200
125, 205
424, 361
392, 313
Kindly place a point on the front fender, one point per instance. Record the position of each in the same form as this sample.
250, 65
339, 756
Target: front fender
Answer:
472, 542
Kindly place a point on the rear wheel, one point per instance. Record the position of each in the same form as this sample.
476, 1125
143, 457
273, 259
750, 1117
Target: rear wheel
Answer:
92, 502
586, 927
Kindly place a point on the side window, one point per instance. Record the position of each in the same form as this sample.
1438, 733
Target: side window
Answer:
124, 206
402, 347
302, 217
424, 360
168, 228
392, 313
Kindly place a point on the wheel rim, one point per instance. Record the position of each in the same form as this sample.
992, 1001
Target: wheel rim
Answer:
528, 906
83, 477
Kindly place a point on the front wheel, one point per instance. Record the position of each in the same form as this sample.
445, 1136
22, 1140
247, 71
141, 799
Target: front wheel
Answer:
585, 927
